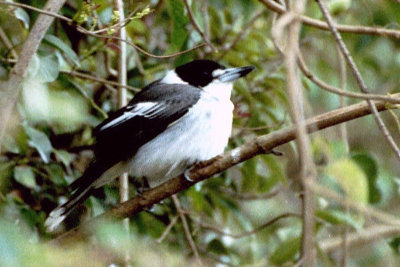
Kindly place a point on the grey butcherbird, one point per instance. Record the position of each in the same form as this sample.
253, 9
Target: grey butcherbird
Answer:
170, 125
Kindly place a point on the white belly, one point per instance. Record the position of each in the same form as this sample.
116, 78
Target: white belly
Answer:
201, 134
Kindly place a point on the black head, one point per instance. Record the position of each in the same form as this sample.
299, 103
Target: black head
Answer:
201, 73
198, 72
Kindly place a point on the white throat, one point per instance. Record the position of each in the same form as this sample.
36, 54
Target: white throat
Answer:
221, 91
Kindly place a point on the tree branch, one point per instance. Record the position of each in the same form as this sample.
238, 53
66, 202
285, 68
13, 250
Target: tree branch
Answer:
122, 102
98, 79
197, 27
360, 238
340, 91
259, 145
186, 229
251, 232
341, 28
11, 88
303, 144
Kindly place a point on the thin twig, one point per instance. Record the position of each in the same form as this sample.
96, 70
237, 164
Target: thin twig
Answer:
120, 24
168, 229
345, 140
144, 51
98, 79
93, 33
338, 91
122, 101
186, 228
343, 83
6, 41
247, 233
241, 35
115, 26
396, 119
342, 28
41, 11
206, 21
197, 27
360, 207
361, 237
299, 262
250, 196
345, 244
359, 79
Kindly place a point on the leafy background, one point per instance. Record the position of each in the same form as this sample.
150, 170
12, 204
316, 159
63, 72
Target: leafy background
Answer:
48, 145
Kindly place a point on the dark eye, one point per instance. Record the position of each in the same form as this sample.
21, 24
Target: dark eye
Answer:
206, 72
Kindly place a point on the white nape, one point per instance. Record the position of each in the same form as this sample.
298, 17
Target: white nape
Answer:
172, 78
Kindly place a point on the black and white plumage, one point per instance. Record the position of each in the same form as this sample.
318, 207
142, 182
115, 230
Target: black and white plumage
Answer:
168, 126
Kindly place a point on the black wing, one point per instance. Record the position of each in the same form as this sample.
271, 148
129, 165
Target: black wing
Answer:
147, 115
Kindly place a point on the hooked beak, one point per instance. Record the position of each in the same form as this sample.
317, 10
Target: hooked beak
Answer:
229, 75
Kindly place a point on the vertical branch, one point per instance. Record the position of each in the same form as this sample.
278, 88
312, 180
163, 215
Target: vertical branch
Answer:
10, 88
307, 169
343, 82
186, 228
343, 136
122, 101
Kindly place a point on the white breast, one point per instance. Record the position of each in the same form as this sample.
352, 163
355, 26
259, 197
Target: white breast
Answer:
201, 134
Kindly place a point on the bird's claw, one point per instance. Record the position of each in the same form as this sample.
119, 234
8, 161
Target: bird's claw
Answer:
186, 174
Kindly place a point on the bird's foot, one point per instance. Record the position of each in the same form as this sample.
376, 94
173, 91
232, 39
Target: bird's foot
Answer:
187, 172
142, 186
199, 165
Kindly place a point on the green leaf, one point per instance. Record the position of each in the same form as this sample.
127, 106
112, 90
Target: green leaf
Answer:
199, 200
217, 247
337, 217
34, 66
64, 156
25, 176
6, 171
179, 34
339, 6
10, 145
370, 167
95, 206
56, 174
49, 68
16, 141
395, 245
351, 178
250, 175
40, 141
286, 251
69, 53
22, 16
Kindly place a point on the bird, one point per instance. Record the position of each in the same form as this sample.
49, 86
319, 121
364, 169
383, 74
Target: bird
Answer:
170, 125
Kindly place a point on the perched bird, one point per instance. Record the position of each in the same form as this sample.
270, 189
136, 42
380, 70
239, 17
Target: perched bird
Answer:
170, 125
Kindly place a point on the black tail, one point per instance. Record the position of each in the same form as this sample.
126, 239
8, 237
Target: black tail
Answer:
61, 212
83, 188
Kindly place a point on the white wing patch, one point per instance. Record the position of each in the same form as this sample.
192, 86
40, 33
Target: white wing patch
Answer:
146, 109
